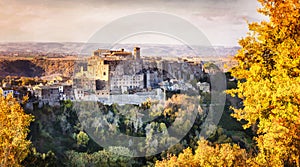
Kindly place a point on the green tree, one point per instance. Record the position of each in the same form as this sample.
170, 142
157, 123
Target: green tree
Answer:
101, 158
36, 159
13, 132
82, 138
269, 71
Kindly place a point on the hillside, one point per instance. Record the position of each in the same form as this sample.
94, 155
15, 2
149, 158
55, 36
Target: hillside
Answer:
36, 67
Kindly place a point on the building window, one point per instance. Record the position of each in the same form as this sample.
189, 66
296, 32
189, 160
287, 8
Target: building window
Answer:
104, 73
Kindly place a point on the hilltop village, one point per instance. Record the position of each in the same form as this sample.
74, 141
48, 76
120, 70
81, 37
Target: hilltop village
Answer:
117, 76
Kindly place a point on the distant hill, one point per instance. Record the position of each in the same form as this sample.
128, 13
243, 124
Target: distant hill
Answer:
69, 48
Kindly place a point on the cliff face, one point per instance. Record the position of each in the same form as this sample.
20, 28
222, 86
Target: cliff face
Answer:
36, 67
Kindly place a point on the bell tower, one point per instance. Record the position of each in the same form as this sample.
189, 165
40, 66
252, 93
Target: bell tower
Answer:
136, 53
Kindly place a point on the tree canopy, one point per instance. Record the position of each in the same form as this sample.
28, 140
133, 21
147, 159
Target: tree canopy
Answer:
13, 132
208, 155
269, 73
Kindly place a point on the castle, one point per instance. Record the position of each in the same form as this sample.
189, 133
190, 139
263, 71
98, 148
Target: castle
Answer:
109, 72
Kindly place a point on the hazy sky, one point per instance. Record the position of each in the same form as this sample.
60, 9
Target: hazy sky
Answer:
222, 21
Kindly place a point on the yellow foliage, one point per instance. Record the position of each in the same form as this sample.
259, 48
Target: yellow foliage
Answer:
207, 156
269, 63
13, 132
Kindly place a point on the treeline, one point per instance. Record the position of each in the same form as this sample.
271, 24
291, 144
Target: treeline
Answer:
71, 135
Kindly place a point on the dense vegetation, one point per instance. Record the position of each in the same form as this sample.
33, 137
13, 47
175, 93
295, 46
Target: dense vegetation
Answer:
58, 135
269, 62
14, 124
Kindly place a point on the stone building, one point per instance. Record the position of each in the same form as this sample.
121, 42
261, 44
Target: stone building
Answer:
47, 93
124, 83
65, 92
110, 72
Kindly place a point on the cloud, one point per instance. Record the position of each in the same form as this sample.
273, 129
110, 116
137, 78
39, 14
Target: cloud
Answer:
76, 20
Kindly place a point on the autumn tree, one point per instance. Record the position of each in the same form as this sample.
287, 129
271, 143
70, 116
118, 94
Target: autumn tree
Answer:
13, 132
208, 155
269, 73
